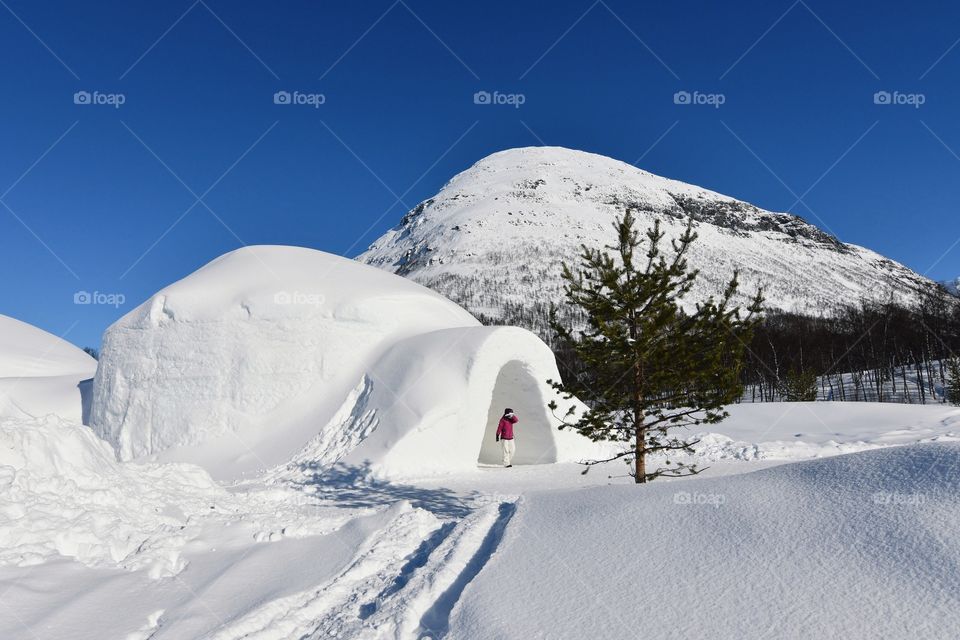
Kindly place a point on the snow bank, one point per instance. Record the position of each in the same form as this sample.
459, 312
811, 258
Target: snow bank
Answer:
803, 430
39, 372
63, 494
266, 349
855, 546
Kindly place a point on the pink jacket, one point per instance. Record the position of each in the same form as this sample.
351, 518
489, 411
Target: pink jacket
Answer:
505, 428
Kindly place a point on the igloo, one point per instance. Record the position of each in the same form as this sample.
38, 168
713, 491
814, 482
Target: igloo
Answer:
271, 355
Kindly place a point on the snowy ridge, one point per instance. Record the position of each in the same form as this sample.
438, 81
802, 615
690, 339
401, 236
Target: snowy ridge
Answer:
493, 238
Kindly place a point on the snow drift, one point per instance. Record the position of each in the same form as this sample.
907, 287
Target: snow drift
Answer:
62, 493
269, 348
855, 546
39, 372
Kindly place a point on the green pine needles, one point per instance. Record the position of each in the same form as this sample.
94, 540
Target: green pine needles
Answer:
647, 366
953, 381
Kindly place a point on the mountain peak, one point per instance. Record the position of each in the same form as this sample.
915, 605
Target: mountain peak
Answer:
494, 237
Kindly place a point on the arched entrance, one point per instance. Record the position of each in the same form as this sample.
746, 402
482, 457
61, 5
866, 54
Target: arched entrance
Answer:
516, 388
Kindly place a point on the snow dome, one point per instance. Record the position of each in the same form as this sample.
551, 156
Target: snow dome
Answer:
40, 374
274, 353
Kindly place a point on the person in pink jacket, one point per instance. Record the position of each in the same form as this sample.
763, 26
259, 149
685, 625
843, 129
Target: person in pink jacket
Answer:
505, 436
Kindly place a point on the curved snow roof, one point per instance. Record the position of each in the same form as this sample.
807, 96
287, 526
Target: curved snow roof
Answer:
27, 351
40, 373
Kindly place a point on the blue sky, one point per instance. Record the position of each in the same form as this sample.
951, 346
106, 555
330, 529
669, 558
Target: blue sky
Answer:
199, 160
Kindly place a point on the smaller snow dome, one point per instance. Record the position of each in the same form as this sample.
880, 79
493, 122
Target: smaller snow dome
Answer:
26, 351
40, 373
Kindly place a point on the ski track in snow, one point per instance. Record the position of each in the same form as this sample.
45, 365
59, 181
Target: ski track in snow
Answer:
402, 583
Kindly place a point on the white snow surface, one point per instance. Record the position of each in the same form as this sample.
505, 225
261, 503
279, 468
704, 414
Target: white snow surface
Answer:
492, 238
802, 430
270, 349
856, 546
40, 372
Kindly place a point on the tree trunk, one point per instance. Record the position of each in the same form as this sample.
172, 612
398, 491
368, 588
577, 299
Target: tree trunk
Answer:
640, 462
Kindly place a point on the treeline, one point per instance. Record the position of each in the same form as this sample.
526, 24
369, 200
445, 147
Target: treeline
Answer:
870, 352
863, 352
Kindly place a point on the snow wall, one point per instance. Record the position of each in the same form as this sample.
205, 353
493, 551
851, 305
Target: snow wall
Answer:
273, 355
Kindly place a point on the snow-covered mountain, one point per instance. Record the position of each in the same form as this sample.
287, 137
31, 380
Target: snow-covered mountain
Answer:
494, 236
953, 286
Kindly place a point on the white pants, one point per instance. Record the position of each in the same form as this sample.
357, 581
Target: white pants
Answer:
508, 450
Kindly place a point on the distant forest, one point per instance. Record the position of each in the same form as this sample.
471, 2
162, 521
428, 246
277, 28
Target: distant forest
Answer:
870, 352
862, 352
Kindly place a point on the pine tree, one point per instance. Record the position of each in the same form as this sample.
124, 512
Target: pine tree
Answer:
647, 366
953, 381
800, 385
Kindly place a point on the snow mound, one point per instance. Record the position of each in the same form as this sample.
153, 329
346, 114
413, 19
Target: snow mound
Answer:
269, 348
855, 546
39, 372
26, 351
63, 494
